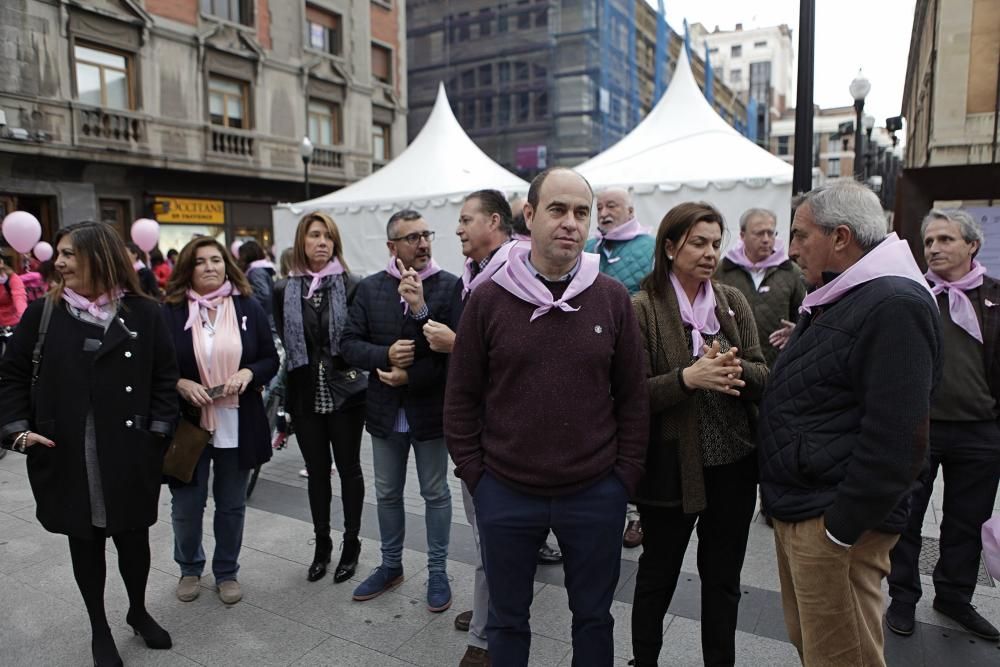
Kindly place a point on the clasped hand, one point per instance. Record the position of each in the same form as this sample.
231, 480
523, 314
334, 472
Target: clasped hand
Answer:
196, 393
716, 371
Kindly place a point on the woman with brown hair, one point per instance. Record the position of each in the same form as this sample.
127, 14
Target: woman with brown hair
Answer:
707, 375
226, 356
92, 407
325, 396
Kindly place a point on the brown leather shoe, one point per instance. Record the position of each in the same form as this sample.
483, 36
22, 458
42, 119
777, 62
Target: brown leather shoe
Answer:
633, 535
463, 620
475, 657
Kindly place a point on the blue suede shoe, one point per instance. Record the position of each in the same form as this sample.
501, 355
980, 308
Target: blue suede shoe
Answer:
438, 592
379, 581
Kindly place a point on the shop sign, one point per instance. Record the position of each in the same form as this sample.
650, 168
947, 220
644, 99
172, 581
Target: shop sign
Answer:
174, 210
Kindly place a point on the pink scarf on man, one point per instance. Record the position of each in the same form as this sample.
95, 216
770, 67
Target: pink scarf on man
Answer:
700, 315
963, 313
227, 346
425, 273
519, 280
499, 258
332, 268
625, 232
891, 257
95, 307
737, 255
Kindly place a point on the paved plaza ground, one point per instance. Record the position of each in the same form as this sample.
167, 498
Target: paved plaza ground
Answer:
285, 620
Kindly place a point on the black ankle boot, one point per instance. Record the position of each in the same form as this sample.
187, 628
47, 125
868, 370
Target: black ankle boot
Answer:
150, 631
324, 547
105, 653
349, 553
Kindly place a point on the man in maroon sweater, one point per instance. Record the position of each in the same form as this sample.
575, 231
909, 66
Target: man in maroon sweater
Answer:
546, 418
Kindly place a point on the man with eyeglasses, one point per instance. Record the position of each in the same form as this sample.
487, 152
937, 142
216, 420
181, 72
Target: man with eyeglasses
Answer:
405, 398
759, 267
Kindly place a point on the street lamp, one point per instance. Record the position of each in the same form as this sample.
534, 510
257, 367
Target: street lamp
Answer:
860, 88
869, 122
306, 151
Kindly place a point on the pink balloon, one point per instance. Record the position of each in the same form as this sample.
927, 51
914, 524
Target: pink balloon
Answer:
21, 230
145, 233
234, 247
42, 251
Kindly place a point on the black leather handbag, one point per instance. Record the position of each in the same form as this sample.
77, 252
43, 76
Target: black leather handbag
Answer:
347, 387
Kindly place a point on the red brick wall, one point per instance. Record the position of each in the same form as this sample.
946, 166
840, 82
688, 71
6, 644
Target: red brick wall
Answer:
185, 11
385, 28
264, 24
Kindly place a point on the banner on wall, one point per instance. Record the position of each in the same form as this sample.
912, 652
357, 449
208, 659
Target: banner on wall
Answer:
989, 218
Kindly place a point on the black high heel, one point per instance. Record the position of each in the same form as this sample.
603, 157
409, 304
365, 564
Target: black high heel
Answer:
104, 651
324, 548
349, 553
150, 631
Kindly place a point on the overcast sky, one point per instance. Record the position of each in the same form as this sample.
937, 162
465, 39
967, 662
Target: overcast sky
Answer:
871, 34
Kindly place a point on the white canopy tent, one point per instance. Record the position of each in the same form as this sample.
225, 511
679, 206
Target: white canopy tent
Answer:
431, 176
683, 151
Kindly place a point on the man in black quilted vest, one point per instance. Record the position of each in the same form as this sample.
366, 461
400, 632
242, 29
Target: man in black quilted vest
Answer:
843, 428
965, 438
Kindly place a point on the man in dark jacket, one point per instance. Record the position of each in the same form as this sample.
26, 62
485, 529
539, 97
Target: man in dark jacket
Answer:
843, 422
964, 436
405, 397
759, 267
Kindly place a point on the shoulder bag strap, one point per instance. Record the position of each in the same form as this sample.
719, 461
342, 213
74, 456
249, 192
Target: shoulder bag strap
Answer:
36, 354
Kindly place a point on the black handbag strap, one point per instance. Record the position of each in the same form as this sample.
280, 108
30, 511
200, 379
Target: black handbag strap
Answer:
43, 328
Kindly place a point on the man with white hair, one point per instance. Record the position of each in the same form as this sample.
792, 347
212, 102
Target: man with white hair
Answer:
964, 436
844, 423
626, 249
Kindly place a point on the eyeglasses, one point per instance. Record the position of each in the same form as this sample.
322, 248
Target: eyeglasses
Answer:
415, 238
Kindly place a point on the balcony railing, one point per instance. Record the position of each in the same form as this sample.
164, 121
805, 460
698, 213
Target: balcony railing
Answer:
110, 127
326, 158
228, 143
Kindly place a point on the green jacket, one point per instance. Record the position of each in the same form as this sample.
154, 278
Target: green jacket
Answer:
628, 262
779, 297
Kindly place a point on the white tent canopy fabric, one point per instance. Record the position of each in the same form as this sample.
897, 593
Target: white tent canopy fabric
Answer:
431, 176
683, 151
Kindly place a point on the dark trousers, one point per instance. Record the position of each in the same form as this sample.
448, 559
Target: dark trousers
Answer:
588, 526
315, 434
969, 455
723, 528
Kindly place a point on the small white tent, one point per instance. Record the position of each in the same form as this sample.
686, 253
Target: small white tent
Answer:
432, 176
683, 151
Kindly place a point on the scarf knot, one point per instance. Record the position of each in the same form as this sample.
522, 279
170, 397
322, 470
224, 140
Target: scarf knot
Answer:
625, 232
737, 255
95, 307
700, 315
208, 301
519, 280
960, 307
332, 268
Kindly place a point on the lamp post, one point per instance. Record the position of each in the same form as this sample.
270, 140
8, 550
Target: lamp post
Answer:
804, 144
869, 123
860, 88
306, 151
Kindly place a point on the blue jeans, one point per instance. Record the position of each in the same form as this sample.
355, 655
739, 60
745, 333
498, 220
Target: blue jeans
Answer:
390, 457
229, 490
512, 527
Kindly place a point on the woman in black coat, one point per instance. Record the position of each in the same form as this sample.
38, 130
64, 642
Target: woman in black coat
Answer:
95, 426
226, 356
310, 311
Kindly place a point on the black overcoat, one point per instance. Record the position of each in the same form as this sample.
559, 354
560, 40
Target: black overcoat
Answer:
129, 383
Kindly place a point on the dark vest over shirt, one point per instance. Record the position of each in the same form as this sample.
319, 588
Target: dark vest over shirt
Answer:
963, 393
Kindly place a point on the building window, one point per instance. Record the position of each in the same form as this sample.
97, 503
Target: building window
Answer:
380, 142
237, 11
760, 45
468, 79
736, 76
469, 113
540, 72
502, 18
325, 30
227, 102
485, 23
782, 145
524, 21
325, 123
382, 63
541, 106
521, 71
486, 112
504, 113
760, 81
486, 75
103, 78
736, 51
523, 107
503, 70
542, 17
713, 50
833, 167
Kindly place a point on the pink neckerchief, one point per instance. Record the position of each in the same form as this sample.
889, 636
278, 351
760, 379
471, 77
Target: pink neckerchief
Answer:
425, 273
700, 315
95, 307
521, 237
262, 264
332, 268
209, 301
626, 232
499, 258
891, 257
519, 280
138, 265
737, 255
227, 350
963, 313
